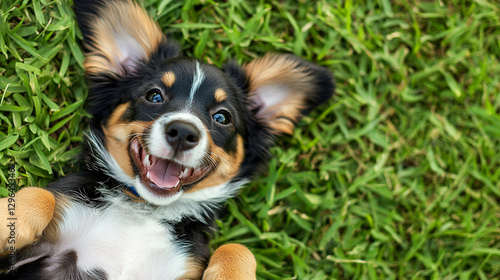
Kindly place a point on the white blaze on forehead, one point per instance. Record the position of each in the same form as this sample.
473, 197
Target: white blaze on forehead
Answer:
197, 80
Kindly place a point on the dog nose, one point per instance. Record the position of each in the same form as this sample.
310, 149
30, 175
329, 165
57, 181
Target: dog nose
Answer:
182, 135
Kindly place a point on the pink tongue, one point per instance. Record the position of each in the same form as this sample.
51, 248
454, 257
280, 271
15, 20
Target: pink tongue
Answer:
164, 173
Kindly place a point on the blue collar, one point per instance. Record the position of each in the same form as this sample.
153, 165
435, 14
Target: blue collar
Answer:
133, 191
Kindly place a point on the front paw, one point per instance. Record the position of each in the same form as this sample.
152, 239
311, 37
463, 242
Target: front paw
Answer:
24, 216
231, 262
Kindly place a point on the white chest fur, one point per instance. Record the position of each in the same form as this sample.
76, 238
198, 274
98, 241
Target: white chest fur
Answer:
126, 239
124, 242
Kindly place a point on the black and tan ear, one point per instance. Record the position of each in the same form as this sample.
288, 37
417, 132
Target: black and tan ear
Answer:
118, 36
282, 88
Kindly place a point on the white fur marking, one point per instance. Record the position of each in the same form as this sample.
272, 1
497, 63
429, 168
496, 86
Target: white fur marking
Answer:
126, 240
197, 80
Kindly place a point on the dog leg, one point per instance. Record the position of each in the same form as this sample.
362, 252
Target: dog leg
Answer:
231, 261
24, 216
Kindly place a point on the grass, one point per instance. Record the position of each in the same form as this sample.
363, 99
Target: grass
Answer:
397, 177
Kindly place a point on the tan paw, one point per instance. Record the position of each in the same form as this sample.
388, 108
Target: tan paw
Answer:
231, 261
24, 216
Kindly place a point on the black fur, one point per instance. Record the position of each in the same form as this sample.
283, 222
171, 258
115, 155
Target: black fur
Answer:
195, 235
66, 268
84, 183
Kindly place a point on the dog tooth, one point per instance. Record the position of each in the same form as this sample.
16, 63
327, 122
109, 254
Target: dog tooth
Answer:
148, 175
146, 161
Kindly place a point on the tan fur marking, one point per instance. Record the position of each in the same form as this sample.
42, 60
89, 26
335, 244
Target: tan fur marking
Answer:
220, 95
125, 20
282, 71
33, 211
231, 261
227, 165
194, 270
118, 134
168, 78
114, 121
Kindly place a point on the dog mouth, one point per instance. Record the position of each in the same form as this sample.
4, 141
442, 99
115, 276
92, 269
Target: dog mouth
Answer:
164, 177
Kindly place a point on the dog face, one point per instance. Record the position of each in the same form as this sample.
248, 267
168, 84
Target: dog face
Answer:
175, 128
179, 126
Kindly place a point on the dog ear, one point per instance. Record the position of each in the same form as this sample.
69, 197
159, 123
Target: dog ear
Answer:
282, 88
279, 90
118, 36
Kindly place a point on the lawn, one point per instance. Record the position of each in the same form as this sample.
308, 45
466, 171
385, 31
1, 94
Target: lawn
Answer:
396, 177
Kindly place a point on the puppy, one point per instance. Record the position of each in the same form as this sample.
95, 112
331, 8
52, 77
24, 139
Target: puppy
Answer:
170, 140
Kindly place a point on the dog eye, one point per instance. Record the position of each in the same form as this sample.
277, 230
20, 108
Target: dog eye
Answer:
154, 95
221, 117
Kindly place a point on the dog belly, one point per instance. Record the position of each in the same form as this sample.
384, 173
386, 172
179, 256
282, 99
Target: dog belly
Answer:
124, 243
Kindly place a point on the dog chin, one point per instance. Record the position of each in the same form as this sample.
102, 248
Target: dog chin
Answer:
146, 194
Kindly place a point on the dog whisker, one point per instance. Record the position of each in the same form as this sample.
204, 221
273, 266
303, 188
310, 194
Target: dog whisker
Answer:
227, 162
210, 161
132, 136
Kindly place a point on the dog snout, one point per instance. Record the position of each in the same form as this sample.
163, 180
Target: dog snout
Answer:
182, 135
